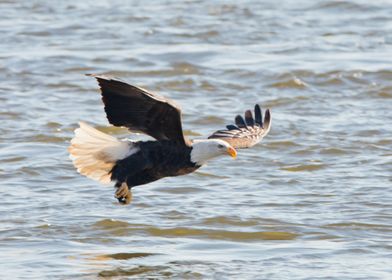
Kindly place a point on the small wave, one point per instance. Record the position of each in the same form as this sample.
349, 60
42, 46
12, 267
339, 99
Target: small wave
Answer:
222, 234
304, 167
282, 144
113, 130
210, 175
333, 151
46, 139
209, 120
384, 94
221, 220
180, 85
285, 101
200, 35
13, 159
11, 115
39, 33
156, 270
356, 225
291, 83
341, 6
111, 224
188, 132
120, 228
185, 68
176, 69
181, 190
121, 256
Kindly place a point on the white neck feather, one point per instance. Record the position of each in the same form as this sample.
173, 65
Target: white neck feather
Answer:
204, 150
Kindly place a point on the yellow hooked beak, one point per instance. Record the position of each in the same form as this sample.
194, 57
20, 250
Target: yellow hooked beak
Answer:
232, 152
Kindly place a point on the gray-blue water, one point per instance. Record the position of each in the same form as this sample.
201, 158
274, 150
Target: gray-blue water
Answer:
312, 201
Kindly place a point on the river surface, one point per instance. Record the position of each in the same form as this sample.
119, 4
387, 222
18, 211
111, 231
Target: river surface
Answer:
312, 201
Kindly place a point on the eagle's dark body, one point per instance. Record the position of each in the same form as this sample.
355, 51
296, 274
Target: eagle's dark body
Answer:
153, 160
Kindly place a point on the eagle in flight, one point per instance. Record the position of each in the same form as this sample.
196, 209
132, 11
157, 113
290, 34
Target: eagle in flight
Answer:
127, 164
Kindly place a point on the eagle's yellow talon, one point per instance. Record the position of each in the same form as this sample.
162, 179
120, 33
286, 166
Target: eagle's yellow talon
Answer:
123, 194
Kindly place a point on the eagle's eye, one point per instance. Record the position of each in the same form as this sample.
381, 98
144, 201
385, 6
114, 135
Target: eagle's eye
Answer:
220, 146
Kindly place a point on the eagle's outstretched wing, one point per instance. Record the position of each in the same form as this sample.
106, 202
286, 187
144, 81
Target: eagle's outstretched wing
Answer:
247, 132
140, 110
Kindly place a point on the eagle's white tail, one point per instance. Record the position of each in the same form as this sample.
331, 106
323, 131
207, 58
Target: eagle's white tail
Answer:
94, 153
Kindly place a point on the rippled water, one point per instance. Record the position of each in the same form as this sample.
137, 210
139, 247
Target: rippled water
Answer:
313, 201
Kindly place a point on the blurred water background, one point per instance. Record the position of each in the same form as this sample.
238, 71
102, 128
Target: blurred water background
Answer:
313, 201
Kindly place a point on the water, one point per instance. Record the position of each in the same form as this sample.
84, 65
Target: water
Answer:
313, 201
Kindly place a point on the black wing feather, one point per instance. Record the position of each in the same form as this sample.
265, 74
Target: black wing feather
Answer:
258, 115
249, 118
267, 119
239, 121
140, 110
231, 127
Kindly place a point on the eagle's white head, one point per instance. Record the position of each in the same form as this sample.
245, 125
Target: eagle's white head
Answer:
204, 150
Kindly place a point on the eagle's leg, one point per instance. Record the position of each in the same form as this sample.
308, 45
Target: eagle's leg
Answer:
123, 193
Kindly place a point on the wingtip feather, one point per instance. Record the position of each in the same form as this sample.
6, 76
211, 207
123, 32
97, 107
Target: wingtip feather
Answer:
239, 121
249, 118
258, 115
231, 127
267, 120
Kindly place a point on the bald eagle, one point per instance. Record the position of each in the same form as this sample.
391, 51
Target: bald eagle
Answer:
127, 164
